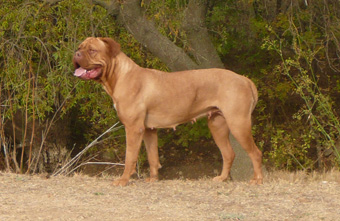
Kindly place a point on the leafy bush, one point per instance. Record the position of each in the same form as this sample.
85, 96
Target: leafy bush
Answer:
37, 42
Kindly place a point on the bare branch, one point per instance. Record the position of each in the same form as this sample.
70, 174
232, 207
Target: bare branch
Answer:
95, 163
75, 159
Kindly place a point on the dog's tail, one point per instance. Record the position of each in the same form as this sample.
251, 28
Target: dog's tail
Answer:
254, 93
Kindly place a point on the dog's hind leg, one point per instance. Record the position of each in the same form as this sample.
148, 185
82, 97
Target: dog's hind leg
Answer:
151, 145
220, 132
240, 127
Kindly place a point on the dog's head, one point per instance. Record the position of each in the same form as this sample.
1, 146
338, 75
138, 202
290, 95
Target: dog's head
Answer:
94, 56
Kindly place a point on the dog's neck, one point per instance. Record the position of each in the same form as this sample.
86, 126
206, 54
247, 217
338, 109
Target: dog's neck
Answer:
122, 65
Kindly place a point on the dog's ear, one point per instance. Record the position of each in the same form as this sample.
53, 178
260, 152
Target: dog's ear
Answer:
113, 47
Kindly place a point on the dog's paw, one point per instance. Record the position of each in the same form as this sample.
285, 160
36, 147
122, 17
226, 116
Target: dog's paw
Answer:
256, 181
120, 182
219, 178
151, 179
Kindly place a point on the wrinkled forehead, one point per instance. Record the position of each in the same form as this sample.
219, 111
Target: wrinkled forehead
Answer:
93, 43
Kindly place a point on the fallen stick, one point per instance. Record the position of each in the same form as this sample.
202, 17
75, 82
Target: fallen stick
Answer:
96, 163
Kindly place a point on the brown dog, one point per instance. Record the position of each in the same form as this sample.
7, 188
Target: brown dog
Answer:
147, 99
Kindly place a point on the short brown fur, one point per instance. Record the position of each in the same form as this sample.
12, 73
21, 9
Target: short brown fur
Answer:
147, 99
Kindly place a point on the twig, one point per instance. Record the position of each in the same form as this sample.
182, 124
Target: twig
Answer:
33, 126
95, 163
26, 123
297, 161
76, 158
14, 152
2, 133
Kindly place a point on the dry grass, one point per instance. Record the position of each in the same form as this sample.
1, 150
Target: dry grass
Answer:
284, 196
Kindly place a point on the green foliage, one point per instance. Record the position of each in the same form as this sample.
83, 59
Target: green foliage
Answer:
191, 133
40, 40
37, 42
286, 154
317, 113
236, 34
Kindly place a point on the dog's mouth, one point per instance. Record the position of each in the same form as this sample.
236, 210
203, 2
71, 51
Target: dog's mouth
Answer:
88, 74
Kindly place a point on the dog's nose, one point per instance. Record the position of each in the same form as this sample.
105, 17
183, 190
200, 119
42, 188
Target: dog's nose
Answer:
78, 54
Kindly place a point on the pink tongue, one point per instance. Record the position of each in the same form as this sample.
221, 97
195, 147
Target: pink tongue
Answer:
79, 72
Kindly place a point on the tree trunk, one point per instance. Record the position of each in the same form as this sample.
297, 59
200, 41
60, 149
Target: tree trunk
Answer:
202, 48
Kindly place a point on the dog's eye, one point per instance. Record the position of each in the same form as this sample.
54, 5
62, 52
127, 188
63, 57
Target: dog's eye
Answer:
92, 51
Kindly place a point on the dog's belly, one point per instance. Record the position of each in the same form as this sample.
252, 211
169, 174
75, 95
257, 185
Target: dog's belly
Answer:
171, 120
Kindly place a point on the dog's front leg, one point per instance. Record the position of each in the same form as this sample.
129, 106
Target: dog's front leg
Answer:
151, 145
134, 136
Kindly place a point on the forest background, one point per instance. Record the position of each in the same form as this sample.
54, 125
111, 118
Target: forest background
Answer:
289, 48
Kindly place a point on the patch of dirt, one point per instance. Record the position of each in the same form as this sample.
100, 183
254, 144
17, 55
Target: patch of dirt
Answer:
283, 196
198, 161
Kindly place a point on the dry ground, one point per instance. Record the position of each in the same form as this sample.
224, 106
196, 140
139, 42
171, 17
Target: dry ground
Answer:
284, 196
